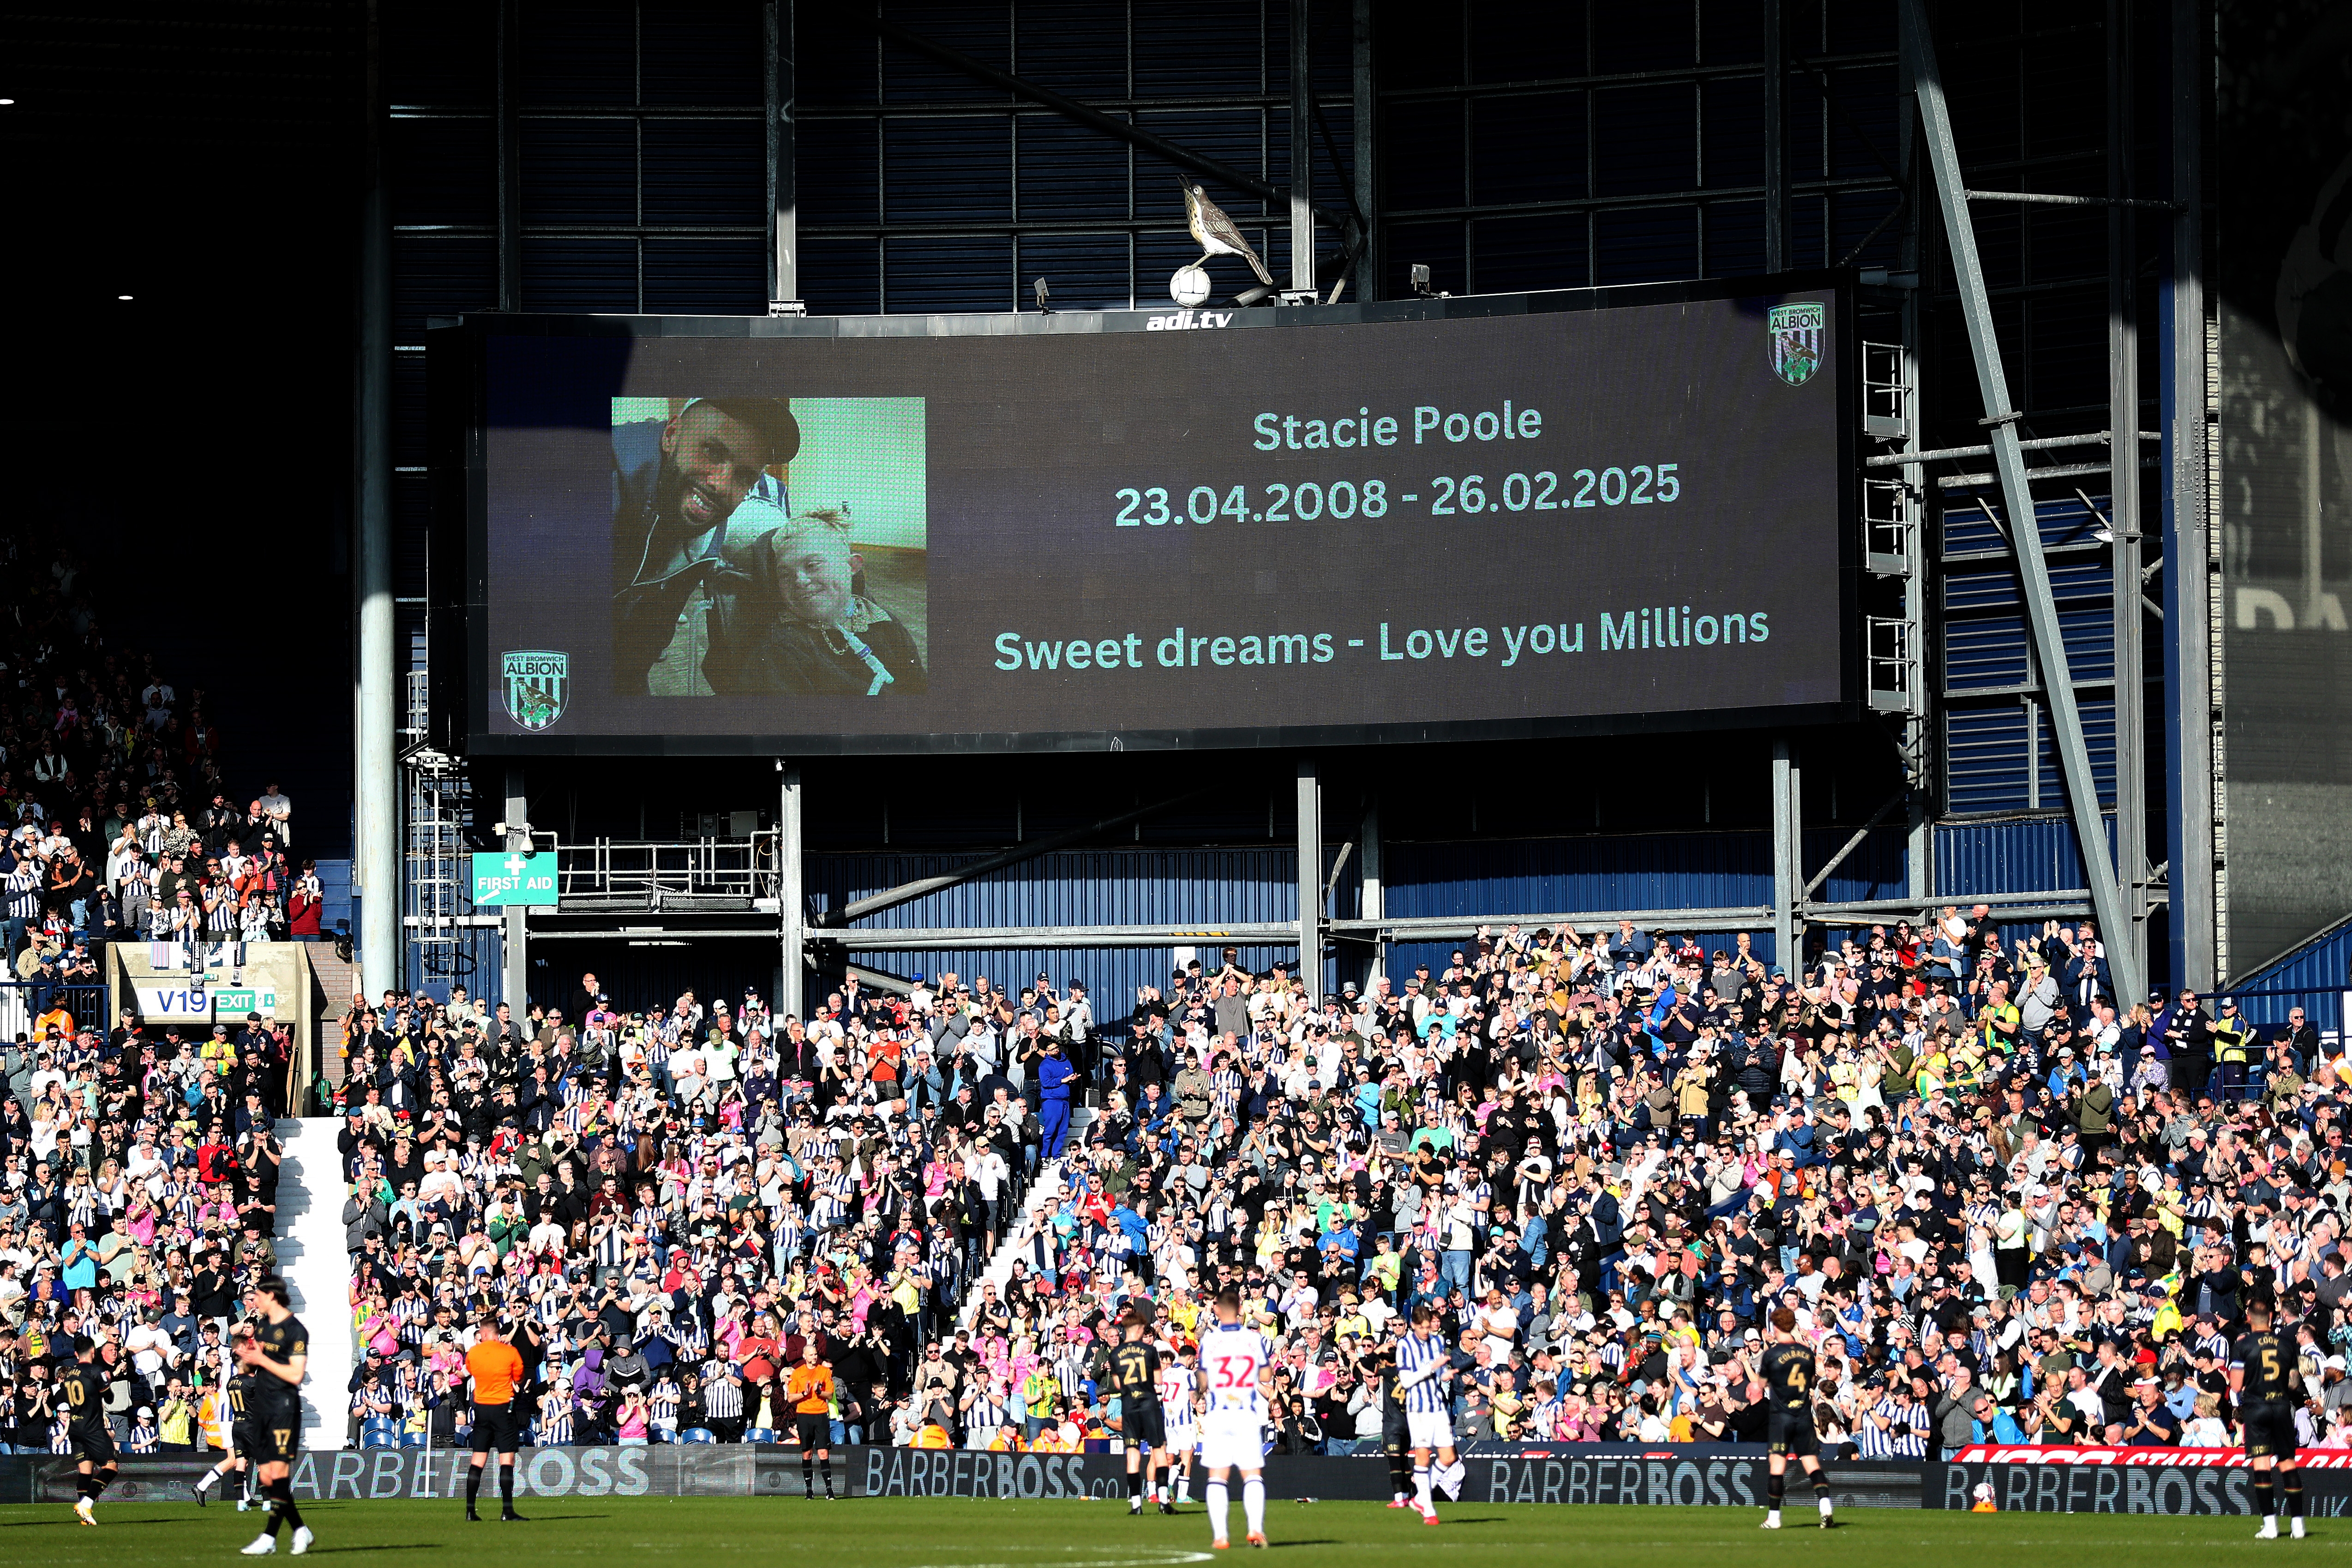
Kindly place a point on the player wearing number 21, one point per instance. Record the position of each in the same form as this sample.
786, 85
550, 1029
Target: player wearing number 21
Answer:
1236, 1378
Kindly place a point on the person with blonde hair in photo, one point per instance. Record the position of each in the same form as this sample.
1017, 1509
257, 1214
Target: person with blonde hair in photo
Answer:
787, 615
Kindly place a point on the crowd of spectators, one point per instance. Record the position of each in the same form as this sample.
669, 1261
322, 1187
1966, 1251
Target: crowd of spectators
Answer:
138, 1167
138, 1195
2003, 1207
119, 822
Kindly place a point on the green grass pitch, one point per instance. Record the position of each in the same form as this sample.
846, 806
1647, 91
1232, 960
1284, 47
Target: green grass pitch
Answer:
903, 1532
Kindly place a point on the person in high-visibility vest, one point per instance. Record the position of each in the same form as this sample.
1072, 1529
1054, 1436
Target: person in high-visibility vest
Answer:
2233, 1047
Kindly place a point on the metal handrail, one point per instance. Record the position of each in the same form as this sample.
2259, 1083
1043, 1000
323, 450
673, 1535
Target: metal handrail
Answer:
610, 873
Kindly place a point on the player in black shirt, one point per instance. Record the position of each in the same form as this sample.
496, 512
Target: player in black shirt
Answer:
2261, 1365
1396, 1437
239, 1460
83, 1388
277, 1356
1135, 1372
1789, 1380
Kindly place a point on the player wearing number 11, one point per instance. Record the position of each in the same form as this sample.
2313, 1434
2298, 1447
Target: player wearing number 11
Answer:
2260, 1367
1235, 1377
1789, 1412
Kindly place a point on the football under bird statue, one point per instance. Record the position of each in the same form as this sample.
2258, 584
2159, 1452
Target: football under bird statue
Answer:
1218, 234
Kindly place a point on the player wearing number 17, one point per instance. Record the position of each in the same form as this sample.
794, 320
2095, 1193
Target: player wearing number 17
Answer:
1235, 1377
278, 1352
1789, 1418
2259, 1367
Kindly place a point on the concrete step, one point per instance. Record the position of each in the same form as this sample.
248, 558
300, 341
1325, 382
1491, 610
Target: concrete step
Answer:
317, 1269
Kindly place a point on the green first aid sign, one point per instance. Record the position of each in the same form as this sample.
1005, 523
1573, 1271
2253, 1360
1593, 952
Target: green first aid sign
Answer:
514, 877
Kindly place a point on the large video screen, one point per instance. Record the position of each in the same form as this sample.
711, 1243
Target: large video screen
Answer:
1430, 520
2282, 275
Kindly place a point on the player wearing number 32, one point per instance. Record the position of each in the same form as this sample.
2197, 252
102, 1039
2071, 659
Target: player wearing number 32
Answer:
1237, 1374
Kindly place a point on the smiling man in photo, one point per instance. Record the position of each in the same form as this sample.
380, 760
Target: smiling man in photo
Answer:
675, 484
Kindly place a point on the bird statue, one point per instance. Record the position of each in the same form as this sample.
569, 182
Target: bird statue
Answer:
1218, 234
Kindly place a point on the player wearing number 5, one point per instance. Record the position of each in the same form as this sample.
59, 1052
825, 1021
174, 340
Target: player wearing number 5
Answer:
2260, 1371
279, 1354
1789, 1419
1236, 1378
1425, 1382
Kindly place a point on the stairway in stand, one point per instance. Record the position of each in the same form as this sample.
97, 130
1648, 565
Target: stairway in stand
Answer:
337, 976
317, 1269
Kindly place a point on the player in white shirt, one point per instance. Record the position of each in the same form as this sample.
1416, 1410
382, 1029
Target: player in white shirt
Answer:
1236, 1368
1425, 1379
1176, 1385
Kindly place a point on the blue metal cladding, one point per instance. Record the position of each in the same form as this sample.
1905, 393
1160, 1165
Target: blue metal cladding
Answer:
2316, 977
474, 960
1204, 888
1683, 870
2026, 855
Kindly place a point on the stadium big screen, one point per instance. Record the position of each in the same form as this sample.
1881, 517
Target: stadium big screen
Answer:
1588, 510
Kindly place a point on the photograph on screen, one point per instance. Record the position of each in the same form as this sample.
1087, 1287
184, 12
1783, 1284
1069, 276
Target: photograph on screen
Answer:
769, 546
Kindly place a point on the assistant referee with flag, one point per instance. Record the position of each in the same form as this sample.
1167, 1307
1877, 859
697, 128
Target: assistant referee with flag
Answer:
495, 1368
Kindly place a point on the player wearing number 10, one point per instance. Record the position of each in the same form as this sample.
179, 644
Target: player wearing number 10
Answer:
1237, 1372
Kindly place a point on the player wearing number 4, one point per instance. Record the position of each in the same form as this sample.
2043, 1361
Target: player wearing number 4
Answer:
2259, 1366
1424, 1368
1236, 1373
1788, 1413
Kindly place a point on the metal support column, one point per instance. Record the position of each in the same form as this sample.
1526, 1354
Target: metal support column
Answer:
1372, 902
1787, 848
376, 781
508, 135
783, 183
518, 927
2123, 489
2025, 531
791, 898
1365, 143
1919, 729
2192, 850
1302, 151
1777, 216
1311, 880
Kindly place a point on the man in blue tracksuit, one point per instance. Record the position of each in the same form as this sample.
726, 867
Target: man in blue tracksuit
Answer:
1055, 1077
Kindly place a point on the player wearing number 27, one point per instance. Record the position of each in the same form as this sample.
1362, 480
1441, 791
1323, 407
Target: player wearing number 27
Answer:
1235, 1373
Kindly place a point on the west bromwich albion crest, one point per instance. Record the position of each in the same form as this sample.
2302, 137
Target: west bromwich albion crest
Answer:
1796, 340
538, 682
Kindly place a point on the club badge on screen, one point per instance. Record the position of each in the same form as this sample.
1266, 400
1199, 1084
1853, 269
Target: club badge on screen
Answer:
538, 681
